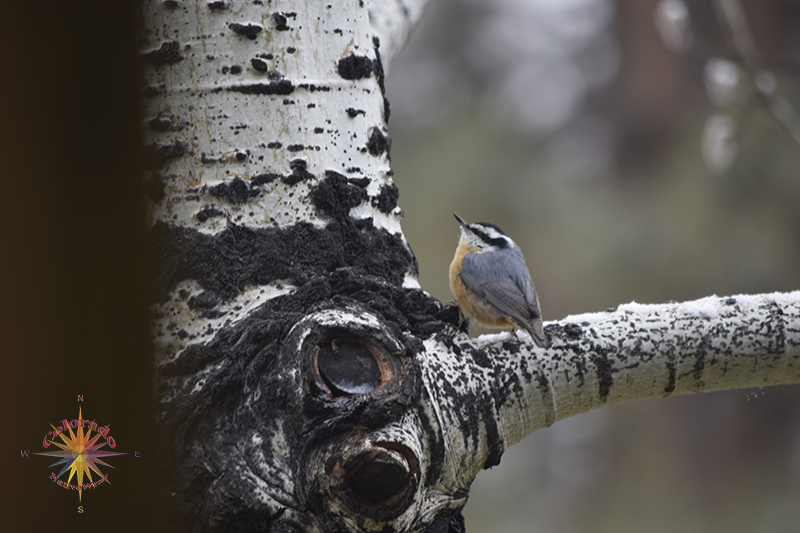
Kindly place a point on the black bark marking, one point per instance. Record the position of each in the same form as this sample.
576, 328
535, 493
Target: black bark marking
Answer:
237, 191
386, 200
447, 524
167, 54
206, 160
237, 256
280, 21
259, 64
209, 211
543, 385
700, 360
263, 179
299, 172
775, 325
496, 445
282, 87
436, 449
167, 122
481, 358
359, 182
573, 331
205, 303
250, 31
312, 88
335, 196
379, 73
157, 154
355, 67
379, 143
605, 373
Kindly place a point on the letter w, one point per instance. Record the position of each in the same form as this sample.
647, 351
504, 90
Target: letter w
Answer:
23, 453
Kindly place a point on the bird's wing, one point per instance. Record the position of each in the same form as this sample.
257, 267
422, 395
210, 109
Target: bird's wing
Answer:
534, 323
503, 281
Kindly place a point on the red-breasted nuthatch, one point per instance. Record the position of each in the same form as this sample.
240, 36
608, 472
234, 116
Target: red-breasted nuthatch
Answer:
491, 282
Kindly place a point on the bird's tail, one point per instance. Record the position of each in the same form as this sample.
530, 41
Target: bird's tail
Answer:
536, 329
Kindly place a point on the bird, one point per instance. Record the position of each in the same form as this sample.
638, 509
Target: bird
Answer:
491, 282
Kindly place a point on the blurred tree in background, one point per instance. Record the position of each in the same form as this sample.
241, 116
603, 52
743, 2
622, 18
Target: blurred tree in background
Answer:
634, 154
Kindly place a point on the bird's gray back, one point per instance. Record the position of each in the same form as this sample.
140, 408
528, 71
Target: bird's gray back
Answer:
501, 278
497, 266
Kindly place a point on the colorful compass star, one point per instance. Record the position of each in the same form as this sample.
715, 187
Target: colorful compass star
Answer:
80, 454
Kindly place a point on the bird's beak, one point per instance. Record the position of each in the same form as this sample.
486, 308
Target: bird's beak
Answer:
461, 221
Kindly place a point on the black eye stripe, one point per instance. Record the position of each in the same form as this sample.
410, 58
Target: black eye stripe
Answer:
499, 242
490, 225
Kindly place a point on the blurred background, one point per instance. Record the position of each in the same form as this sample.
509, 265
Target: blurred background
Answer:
635, 150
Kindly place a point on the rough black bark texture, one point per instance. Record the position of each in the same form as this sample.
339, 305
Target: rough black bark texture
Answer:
231, 399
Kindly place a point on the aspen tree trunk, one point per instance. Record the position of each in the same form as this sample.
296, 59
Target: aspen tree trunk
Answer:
305, 382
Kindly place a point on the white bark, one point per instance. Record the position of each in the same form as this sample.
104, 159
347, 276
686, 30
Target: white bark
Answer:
237, 93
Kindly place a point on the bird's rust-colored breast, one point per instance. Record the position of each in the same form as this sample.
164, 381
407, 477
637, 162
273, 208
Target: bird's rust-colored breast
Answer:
470, 304
456, 285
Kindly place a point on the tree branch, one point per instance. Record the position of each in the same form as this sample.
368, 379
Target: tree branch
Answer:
599, 359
